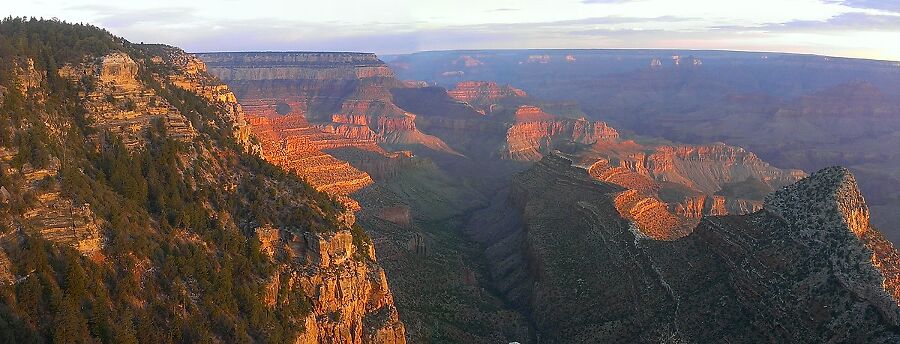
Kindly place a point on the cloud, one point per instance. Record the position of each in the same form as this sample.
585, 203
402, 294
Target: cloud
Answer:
604, 1
610, 20
884, 5
862, 27
845, 22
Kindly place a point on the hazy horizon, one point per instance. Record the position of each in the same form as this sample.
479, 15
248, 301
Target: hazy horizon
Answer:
841, 28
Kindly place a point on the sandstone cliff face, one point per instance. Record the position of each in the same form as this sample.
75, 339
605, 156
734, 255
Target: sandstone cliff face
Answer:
781, 274
709, 167
48, 213
694, 180
293, 144
483, 92
122, 105
527, 140
194, 77
351, 299
51, 215
341, 93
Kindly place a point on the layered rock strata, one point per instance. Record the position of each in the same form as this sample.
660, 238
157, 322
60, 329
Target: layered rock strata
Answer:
352, 302
483, 92
343, 93
293, 144
123, 106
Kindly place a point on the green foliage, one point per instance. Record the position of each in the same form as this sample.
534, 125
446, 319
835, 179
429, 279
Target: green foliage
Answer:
31, 144
55, 42
361, 241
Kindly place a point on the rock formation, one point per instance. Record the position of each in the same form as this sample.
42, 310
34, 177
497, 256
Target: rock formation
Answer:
351, 299
714, 179
293, 144
534, 134
785, 273
50, 214
708, 167
122, 105
343, 93
483, 92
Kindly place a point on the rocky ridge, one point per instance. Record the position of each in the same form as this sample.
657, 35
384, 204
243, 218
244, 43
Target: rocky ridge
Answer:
737, 270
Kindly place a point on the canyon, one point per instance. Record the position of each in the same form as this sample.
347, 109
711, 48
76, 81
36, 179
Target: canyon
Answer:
546, 196
441, 213
795, 111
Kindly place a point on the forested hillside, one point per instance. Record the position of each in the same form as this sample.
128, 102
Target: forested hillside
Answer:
133, 209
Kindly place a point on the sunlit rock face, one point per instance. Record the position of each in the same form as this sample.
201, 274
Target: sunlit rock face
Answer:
341, 93
708, 167
293, 144
535, 133
122, 105
351, 299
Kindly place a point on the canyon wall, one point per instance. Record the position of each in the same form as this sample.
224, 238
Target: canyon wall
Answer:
343, 93
527, 139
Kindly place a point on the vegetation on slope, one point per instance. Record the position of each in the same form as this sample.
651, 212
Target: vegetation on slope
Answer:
180, 262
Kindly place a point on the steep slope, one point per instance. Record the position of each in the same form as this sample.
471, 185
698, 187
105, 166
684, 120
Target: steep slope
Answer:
291, 143
663, 189
533, 135
133, 209
807, 267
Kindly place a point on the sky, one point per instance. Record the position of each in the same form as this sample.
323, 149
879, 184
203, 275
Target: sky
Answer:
850, 28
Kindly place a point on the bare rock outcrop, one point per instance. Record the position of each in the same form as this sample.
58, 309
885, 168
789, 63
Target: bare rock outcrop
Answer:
708, 167
483, 92
527, 140
293, 144
341, 93
122, 105
349, 293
